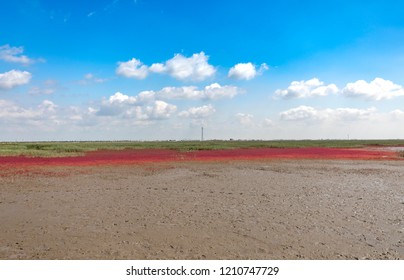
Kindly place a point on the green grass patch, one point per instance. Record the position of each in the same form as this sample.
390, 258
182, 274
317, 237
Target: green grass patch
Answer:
61, 149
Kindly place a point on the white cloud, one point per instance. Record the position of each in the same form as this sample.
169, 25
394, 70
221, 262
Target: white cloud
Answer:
268, 122
158, 110
14, 78
210, 92
216, 91
146, 96
134, 107
48, 106
198, 112
303, 89
14, 54
141, 120
120, 98
91, 78
157, 68
49, 87
352, 114
246, 71
187, 92
299, 113
11, 111
133, 68
151, 104
378, 89
41, 91
307, 113
116, 104
397, 114
245, 119
194, 68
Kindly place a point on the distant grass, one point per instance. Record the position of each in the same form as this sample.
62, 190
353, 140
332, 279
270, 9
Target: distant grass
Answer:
59, 149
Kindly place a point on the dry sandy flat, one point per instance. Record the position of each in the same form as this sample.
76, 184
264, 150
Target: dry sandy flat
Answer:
304, 209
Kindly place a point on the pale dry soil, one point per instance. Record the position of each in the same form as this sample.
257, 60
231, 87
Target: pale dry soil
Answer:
277, 209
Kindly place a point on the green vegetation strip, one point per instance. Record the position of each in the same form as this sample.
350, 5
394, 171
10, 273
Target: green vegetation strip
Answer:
61, 149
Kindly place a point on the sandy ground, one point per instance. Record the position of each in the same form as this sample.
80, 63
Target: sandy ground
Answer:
273, 209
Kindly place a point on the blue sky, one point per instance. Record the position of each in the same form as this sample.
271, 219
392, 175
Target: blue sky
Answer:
157, 70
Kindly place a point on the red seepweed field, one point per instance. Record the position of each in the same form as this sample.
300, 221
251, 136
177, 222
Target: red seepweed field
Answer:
136, 156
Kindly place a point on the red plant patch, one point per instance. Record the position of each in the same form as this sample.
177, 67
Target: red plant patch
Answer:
295, 153
156, 155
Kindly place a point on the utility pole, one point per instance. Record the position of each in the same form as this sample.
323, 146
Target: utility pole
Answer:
202, 133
